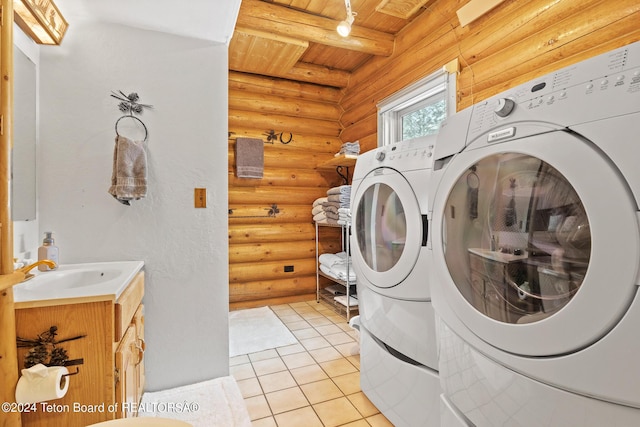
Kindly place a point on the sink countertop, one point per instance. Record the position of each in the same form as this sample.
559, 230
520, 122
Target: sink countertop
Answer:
53, 287
498, 256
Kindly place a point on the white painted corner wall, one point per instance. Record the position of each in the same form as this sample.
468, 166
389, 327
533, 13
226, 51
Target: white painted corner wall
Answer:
185, 249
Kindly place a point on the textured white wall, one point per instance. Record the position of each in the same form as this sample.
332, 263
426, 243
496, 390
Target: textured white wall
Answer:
184, 249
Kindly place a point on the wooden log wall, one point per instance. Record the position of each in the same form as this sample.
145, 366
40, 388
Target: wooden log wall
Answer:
260, 246
512, 44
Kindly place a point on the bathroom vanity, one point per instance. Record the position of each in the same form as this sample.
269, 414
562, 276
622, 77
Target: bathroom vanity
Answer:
105, 333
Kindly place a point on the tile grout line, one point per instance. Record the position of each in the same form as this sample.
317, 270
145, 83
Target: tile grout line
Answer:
349, 359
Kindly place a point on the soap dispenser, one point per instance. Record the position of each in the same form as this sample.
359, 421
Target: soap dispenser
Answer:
48, 251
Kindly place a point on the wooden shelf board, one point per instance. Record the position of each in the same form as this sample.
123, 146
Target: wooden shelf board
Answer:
341, 160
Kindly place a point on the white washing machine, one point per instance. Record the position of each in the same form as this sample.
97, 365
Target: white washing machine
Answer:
536, 251
398, 356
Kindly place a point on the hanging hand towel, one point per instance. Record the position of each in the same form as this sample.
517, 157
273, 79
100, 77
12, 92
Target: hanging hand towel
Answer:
129, 178
249, 158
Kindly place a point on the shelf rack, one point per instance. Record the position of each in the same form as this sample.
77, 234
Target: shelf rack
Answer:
326, 296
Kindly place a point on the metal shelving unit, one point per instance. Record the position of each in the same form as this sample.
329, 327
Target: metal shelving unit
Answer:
321, 294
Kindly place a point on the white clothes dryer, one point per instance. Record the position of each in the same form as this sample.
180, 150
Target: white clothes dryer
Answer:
536, 250
398, 356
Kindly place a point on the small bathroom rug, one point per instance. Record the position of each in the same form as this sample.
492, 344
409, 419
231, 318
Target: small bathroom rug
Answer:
256, 329
211, 403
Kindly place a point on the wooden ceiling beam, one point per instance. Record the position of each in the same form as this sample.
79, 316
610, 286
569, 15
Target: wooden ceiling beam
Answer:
307, 73
284, 21
310, 73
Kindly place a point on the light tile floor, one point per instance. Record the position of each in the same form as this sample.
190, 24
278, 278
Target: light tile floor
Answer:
315, 383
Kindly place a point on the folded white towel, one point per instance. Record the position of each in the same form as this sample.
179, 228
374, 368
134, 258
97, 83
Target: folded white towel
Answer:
332, 215
343, 189
352, 148
341, 198
328, 271
333, 259
342, 299
320, 216
317, 209
329, 207
336, 205
340, 270
319, 201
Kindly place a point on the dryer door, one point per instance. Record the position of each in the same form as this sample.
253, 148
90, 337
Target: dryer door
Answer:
388, 228
538, 243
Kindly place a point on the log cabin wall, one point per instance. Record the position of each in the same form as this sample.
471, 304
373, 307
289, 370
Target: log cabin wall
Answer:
511, 44
262, 245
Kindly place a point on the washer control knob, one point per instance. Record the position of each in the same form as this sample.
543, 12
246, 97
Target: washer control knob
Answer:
505, 107
380, 155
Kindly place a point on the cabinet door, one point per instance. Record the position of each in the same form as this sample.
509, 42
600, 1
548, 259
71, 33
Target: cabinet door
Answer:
126, 378
494, 300
477, 289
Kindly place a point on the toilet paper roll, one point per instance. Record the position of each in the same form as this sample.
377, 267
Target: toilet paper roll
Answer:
40, 383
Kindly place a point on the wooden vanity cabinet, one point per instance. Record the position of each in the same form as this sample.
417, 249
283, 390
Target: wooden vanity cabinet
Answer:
491, 293
129, 362
110, 380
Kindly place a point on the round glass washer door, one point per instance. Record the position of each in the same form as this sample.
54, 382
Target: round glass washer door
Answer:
536, 243
388, 227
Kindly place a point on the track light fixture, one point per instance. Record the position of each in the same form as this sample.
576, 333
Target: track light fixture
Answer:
344, 27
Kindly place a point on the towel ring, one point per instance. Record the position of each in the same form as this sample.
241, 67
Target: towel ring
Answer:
146, 132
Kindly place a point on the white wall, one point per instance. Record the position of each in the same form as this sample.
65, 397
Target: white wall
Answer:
184, 249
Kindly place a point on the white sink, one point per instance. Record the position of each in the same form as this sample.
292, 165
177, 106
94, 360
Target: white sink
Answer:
78, 280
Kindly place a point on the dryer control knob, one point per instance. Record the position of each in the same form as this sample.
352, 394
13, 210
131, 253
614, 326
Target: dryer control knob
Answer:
380, 156
505, 107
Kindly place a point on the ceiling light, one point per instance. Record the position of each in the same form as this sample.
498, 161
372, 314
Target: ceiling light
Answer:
41, 20
344, 27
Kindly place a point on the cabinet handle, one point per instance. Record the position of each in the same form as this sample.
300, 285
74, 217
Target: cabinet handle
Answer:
140, 346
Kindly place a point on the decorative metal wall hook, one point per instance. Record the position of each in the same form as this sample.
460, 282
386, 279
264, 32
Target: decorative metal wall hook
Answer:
129, 103
271, 213
274, 210
46, 349
273, 136
288, 140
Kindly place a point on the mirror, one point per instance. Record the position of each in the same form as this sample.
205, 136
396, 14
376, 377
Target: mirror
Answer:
23, 170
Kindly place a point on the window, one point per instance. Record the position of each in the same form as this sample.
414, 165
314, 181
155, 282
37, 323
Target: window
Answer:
416, 110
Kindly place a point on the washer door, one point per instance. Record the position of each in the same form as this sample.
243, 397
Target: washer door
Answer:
539, 243
387, 226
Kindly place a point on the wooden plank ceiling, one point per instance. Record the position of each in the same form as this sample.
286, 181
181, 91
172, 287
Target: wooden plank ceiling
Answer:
297, 39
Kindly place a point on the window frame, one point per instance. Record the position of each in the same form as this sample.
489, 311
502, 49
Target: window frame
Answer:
428, 90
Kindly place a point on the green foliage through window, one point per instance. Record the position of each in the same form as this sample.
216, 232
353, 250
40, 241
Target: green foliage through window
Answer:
425, 121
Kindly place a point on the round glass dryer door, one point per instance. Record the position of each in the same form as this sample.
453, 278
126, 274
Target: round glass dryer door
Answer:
536, 243
387, 227
527, 241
